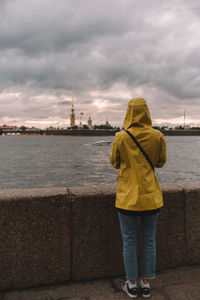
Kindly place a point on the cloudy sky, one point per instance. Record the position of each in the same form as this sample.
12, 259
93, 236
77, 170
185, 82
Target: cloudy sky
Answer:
107, 51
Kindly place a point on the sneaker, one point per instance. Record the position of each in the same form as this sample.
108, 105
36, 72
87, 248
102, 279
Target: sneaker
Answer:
131, 292
145, 289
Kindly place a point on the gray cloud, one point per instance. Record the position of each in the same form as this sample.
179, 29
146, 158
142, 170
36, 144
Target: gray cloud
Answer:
114, 50
64, 103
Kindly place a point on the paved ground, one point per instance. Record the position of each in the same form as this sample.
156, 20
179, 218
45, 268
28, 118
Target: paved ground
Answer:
181, 283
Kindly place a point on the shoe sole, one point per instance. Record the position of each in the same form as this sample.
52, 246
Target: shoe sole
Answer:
146, 296
131, 296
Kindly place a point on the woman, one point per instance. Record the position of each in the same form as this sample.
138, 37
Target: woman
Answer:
138, 191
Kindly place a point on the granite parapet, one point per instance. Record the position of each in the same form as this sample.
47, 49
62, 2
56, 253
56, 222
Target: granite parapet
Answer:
54, 235
171, 239
96, 243
35, 238
192, 222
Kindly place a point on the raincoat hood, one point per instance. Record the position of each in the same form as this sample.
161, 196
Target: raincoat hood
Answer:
137, 114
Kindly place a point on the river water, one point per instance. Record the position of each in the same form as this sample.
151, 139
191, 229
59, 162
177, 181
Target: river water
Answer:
65, 161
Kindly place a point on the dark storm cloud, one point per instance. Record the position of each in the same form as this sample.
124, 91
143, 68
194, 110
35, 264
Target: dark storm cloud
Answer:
50, 48
64, 103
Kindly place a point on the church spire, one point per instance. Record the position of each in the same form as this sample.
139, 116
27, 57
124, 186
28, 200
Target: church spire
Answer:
72, 114
72, 98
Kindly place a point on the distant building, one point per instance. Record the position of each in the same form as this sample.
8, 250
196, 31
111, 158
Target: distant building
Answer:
187, 126
80, 126
72, 114
90, 122
6, 128
107, 123
32, 129
51, 128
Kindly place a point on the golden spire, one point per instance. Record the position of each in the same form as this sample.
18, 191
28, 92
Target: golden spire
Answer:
90, 122
72, 98
107, 123
72, 114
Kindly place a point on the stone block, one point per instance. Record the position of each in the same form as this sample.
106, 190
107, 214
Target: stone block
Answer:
96, 244
35, 238
171, 242
192, 192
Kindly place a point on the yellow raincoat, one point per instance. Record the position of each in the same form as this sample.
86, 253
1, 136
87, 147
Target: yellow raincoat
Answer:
138, 188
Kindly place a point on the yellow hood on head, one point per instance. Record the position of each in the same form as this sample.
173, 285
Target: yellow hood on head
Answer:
137, 114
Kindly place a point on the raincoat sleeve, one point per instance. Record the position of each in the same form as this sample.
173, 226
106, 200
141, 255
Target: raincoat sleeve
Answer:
115, 154
162, 153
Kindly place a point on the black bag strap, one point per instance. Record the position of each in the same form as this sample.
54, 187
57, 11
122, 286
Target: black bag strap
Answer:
141, 149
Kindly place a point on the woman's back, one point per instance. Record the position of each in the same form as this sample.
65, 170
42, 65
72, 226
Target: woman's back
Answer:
138, 188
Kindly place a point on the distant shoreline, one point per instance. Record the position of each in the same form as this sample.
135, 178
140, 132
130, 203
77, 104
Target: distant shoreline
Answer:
100, 132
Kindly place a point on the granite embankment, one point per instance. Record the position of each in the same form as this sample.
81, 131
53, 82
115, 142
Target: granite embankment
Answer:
103, 132
54, 235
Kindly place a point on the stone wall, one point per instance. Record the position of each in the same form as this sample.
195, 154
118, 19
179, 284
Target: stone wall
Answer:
54, 235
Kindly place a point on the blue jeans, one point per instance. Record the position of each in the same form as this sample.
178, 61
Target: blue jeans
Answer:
129, 236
